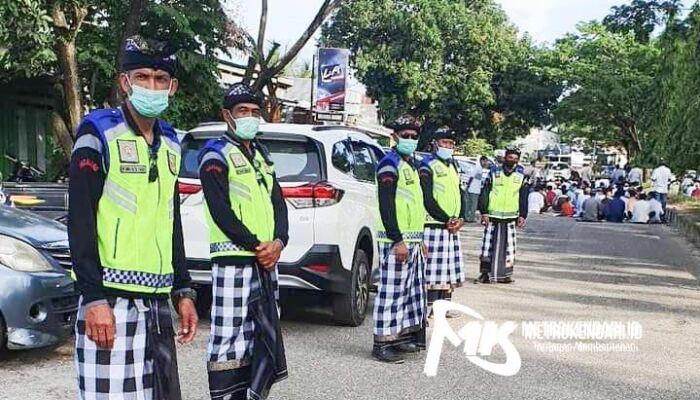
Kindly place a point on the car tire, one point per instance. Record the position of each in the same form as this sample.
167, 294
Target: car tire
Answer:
3, 335
350, 308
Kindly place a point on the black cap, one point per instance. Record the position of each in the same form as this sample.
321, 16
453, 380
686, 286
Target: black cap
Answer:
241, 93
513, 150
444, 133
406, 121
148, 53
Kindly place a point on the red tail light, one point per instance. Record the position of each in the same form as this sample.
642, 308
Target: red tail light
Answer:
188, 188
322, 194
319, 268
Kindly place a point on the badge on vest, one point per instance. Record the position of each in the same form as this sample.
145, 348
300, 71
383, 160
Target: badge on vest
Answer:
440, 171
237, 160
132, 169
407, 175
128, 152
172, 163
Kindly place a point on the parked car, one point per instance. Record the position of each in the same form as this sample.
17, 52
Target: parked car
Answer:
47, 199
37, 297
327, 178
554, 170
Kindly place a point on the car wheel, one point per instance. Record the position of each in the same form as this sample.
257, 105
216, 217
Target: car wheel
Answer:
351, 308
3, 335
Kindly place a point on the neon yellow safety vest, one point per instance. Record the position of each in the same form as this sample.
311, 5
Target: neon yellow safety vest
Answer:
445, 189
410, 211
504, 199
250, 189
135, 216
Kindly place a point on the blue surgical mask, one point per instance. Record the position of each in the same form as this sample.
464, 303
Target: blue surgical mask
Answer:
149, 103
406, 147
444, 153
247, 127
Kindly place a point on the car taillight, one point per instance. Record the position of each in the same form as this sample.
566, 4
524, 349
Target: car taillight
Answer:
322, 194
188, 188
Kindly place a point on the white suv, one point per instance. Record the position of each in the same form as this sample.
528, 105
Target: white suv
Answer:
327, 178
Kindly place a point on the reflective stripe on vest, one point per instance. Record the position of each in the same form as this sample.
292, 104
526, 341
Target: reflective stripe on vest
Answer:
135, 216
250, 187
410, 211
504, 199
445, 189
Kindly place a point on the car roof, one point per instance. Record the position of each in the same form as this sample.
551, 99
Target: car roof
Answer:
322, 133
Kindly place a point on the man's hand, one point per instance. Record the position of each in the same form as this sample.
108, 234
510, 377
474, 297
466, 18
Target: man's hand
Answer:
268, 253
100, 326
484, 220
521, 222
188, 320
424, 249
454, 225
401, 252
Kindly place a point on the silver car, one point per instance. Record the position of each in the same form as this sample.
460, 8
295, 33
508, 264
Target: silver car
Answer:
37, 297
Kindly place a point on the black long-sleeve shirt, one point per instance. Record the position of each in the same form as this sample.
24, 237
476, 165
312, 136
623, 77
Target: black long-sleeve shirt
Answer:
429, 200
213, 173
483, 204
87, 178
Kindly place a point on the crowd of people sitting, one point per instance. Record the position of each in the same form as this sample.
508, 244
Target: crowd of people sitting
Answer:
619, 199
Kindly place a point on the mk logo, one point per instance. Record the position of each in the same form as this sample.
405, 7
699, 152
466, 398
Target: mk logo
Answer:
479, 338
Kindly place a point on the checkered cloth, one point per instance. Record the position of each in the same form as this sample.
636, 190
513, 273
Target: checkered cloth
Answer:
444, 268
126, 371
498, 249
401, 302
232, 329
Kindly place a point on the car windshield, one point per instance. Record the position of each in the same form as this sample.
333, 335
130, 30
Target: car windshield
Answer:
295, 160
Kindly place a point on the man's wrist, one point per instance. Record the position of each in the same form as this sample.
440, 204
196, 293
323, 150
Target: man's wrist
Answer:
185, 293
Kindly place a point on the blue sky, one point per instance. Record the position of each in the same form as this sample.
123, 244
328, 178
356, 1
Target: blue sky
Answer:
545, 20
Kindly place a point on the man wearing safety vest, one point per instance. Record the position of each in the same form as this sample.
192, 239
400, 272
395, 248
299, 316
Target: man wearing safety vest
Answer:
400, 305
503, 206
248, 228
126, 237
443, 199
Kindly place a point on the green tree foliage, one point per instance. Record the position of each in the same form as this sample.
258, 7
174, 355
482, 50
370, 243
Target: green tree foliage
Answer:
455, 63
198, 28
476, 147
675, 133
641, 17
25, 38
610, 82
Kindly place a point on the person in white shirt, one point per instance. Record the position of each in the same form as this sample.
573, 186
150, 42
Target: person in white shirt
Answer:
475, 179
635, 176
641, 211
661, 180
657, 212
586, 173
535, 201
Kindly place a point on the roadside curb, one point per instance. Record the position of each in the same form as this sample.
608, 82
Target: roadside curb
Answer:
685, 223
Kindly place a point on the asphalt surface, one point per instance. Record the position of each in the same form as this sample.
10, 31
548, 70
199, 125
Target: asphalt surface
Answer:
565, 271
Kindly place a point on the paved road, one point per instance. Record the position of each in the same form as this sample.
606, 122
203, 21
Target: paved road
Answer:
565, 271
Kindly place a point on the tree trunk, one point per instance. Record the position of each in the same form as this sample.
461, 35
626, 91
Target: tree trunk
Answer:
61, 134
71, 84
136, 10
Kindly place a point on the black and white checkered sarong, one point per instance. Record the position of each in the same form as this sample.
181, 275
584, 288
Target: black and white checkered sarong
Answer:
498, 248
401, 303
126, 371
232, 328
444, 268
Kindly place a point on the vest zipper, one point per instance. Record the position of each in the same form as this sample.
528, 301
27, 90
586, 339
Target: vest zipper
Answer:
116, 239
